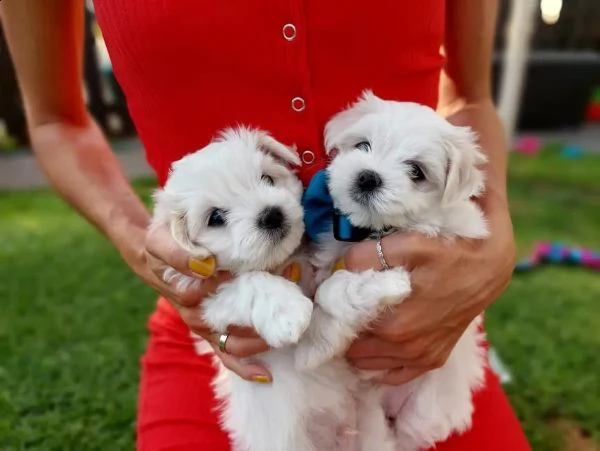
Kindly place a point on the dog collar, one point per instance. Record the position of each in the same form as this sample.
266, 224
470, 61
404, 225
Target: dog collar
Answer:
343, 230
321, 216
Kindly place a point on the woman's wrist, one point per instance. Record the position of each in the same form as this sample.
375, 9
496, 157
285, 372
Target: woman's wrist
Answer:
86, 173
128, 235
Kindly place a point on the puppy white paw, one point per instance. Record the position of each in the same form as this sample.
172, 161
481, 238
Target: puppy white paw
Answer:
284, 318
275, 307
388, 287
351, 297
347, 302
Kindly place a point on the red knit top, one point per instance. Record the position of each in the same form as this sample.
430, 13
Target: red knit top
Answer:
190, 68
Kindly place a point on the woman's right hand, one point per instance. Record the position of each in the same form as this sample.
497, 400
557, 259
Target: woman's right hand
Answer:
161, 251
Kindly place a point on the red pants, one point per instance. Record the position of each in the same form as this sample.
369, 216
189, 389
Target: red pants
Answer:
177, 410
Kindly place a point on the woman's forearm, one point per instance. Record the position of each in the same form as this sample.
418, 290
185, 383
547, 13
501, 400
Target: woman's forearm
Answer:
82, 168
484, 120
46, 41
466, 92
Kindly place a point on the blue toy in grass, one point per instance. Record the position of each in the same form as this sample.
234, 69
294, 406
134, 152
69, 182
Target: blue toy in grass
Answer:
572, 151
545, 252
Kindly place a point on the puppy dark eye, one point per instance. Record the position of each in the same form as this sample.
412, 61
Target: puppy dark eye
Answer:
217, 218
268, 180
365, 146
415, 173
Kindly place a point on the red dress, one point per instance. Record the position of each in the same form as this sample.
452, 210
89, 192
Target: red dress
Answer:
192, 67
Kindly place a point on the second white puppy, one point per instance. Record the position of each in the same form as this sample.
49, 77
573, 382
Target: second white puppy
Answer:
397, 167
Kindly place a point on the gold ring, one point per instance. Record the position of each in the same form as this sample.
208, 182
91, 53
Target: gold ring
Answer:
223, 342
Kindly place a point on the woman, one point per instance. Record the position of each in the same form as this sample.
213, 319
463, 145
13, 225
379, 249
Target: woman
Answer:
190, 68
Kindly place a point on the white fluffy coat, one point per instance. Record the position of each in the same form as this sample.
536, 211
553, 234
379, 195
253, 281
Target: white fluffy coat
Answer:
428, 174
240, 174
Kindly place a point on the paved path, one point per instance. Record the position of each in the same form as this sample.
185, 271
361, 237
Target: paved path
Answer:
20, 171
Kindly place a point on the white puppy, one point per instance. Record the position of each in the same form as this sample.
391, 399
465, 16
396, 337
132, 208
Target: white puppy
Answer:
396, 167
238, 200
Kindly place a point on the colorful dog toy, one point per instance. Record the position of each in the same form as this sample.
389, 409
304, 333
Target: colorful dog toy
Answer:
572, 151
545, 252
529, 145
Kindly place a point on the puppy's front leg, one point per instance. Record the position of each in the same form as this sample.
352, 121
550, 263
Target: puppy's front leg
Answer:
345, 304
275, 307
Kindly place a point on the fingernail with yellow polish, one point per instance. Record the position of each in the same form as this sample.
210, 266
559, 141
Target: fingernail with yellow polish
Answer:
340, 264
294, 272
261, 379
204, 267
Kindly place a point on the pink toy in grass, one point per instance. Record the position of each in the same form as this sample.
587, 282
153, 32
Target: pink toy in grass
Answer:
545, 252
529, 145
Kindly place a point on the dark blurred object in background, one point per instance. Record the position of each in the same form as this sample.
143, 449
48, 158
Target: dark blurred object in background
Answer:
105, 99
563, 67
11, 112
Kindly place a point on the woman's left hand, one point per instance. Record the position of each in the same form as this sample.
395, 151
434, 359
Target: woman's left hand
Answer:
452, 283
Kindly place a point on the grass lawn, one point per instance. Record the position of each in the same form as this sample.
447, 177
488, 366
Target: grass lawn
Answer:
72, 321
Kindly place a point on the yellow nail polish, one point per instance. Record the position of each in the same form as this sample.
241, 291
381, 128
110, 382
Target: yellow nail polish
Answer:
340, 264
261, 379
204, 267
294, 272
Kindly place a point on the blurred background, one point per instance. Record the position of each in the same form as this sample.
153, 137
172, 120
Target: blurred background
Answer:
72, 317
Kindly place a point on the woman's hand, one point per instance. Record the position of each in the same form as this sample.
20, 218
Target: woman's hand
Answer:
159, 252
452, 283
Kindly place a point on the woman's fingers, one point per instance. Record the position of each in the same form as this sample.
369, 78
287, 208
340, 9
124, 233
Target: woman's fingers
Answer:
163, 254
239, 331
375, 363
370, 346
408, 250
240, 346
249, 371
188, 294
161, 245
411, 353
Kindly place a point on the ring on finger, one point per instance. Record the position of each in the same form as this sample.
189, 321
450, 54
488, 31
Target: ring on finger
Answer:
223, 342
381, 256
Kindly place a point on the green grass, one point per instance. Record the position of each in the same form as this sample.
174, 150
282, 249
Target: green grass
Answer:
546, 327
72, 318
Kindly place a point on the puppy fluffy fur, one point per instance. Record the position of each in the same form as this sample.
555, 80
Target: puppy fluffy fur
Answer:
397, 166
215, 202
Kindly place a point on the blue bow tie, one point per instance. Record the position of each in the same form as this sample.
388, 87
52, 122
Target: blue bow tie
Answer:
321, 216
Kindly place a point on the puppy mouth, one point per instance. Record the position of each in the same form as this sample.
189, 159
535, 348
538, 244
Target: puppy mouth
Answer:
363, 199
277, 235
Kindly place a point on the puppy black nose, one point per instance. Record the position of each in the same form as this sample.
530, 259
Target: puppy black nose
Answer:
271, 218
368, 181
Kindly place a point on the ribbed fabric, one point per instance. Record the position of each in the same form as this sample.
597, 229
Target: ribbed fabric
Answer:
190, 68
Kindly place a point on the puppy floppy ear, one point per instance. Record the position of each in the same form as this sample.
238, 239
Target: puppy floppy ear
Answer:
464, 178
286, 154
339, 132
169, 211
